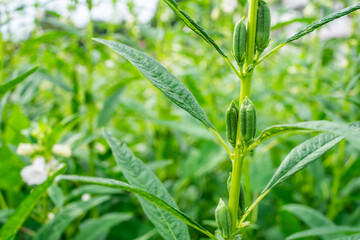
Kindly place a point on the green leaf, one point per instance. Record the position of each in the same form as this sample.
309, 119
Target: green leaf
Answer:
11, 165
333, 16
301, 156
138, 175
142, 193
295, 20
347, 131
56, 195
4, 88
109, 108
321, 231
350, 187
55, 227
4, 213
193, 25
16, 220
351, 237
91, 189
157, 74
311, 217
93, 229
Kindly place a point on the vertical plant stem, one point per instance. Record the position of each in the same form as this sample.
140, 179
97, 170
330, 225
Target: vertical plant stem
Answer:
235, 187
247, 181
251, 33
244, 92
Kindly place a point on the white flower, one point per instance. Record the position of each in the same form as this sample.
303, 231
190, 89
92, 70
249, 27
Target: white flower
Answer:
228, 5
51, 215
62, 150
35, 173
85, 197
25, 149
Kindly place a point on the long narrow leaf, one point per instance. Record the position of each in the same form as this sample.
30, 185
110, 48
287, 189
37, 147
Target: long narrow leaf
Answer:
311, 217
16, 220
12, 83
139, 175
347, 131
161, 78
142, 193
54, 228
193, 25
301, 156
333, 16
351, 237
315, 25
321, 231
350, 187
93, 229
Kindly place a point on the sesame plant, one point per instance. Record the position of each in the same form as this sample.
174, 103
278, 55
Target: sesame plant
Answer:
252, 45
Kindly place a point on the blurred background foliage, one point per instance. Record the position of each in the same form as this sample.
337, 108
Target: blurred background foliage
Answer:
82, 86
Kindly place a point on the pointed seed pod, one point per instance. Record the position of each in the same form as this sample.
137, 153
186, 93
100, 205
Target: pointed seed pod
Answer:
223, 219
242, 200
239, 41
247, 120
231, 120
263, 24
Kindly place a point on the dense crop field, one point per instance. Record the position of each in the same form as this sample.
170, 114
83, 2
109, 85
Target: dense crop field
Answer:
179, 119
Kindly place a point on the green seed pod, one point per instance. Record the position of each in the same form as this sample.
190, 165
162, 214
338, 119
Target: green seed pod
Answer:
263, 24
247, 120
223, 219
231, 119
239, 41
242, 200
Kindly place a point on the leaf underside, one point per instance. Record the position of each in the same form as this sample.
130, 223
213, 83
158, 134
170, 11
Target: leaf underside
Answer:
350, 132
301, 156
138, 175
162, 79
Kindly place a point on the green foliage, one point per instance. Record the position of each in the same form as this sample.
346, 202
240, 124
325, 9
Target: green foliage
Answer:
144, 194
168, 84
301, 156
333, 16
55, 227
136, 172
4, 88
307, 93
193, 25
16, 219
323, 231
93, 229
